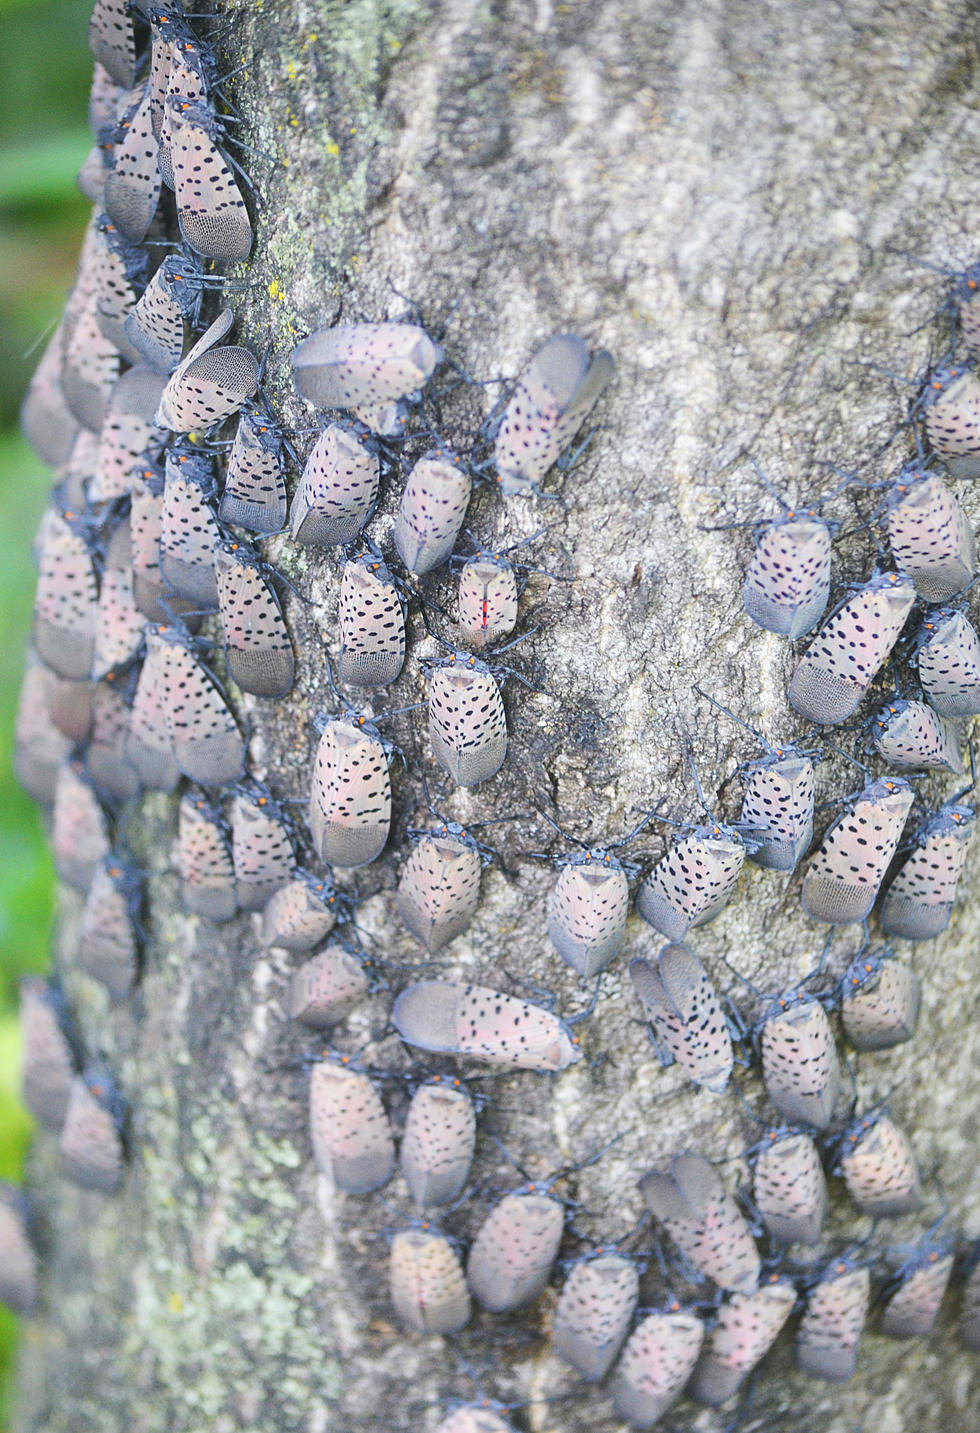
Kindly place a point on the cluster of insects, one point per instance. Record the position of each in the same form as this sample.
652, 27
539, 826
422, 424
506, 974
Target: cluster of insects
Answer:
170, 469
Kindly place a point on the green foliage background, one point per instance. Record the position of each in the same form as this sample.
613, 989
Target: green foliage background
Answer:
45, 71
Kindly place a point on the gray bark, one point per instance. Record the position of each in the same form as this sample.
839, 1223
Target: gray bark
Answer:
710, 192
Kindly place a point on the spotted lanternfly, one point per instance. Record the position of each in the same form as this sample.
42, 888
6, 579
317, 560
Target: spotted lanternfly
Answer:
514, 1251
970, 1314
682, 1005
777, 808
484, 1024
210, 383
372, 624
189, 532
45, 419
337, 491
912, 737
70, 705
879, 1168
832, 1322
553, 397
467, 722
65, 603
107, 941
930, 535
594, 1313
89, 370
350, 799
949, 663
189, 80
880, 999
951, 409
70, 493
18, 1262
204, 860
111, 40
912, 1302
437, 1146
106, 760
657, 1362
428, 1287
130, 439
104, 96
787, 581
89, 1145
788, 1186
258, 652
161, 60
843, 877
150, 591
703, 1220
301, 913
474, 1418
587, 910
132, 185
919, 901
850, 649
326, 987
967, 308
90, 178
365, 367
486, 600
800, 1065
254, 495
149, 747
156, 328
693, 882
120, 273
39, 747
207, 745
79, 836
439, 886
262, 848
745, 1329
210, 209
352, 1141
118, 621
48, 1061
431, 511
145, 525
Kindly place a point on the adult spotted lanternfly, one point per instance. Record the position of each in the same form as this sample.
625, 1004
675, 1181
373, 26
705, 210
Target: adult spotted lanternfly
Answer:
437, 1147
368, 368
512, 1256
833, 1320
843, 877
850, 649
352, 1140
484, 1024
703, 1220
552, 399
595, 1311
683, 1007
350, 800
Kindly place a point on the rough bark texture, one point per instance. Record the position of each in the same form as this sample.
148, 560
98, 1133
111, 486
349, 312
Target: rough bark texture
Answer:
710, 191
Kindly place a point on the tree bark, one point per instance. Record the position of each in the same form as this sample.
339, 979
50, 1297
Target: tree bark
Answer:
713, 193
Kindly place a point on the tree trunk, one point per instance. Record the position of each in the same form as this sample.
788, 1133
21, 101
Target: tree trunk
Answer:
713, 193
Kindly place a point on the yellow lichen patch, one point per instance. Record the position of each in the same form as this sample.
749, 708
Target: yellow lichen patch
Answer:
175, 1304
276, 290
333, 147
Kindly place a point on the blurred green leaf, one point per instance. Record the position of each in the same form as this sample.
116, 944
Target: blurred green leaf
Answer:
43, 170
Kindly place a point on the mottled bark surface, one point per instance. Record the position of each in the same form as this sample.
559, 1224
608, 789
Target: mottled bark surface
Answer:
710, 191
